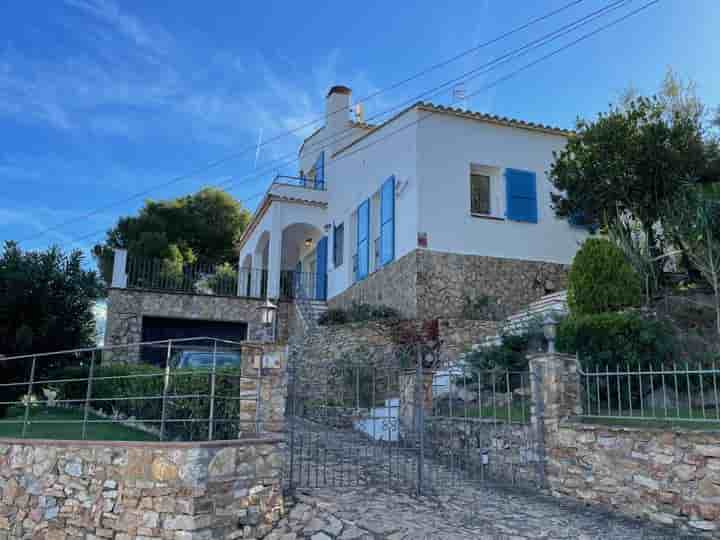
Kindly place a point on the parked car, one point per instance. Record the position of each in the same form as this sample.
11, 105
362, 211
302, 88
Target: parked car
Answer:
204, 359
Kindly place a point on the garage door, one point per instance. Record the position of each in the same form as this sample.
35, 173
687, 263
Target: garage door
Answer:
162, 328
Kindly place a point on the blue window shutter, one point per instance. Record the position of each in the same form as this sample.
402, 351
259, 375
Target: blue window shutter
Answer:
363, 240
387, 221
321, 254
521, 195
320, 171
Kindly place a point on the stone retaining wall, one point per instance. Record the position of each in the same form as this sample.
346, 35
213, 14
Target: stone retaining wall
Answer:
426, 284
127, 307
58, 490
333, 342
670, 476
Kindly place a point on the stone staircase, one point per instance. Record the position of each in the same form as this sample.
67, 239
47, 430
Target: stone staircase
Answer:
550, 305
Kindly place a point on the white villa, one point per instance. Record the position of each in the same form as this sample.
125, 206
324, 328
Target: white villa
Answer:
431, 207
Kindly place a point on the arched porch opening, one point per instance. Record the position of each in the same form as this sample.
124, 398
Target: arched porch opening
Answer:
303, 262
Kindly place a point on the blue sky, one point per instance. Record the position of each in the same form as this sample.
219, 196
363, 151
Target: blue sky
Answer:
101, 99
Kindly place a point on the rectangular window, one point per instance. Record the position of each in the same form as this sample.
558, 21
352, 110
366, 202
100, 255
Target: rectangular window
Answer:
479, 193
338, 244
387, 221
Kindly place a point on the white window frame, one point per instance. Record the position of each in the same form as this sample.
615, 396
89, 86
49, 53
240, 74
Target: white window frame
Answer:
497, 190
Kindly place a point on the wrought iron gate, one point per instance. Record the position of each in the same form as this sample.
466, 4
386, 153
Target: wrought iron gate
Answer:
393, 416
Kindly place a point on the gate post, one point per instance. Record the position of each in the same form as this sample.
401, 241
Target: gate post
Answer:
420, 416
555, 386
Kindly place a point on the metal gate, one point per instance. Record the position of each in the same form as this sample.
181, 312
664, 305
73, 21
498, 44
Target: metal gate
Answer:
393, 416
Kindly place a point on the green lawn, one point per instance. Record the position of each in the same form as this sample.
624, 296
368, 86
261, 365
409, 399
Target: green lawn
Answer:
519, 412
686, 418
56, 423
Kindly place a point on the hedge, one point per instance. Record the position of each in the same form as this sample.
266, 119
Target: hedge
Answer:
144, 384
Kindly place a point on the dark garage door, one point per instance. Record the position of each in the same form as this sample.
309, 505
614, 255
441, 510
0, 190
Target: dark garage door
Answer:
162, 328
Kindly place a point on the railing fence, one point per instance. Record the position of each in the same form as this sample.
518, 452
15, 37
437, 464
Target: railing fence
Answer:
677, 393
207, 389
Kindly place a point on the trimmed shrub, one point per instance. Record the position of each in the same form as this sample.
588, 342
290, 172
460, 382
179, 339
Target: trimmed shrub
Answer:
616, 339
134, 391
601, 280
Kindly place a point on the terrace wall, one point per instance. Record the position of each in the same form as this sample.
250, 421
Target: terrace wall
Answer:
57, 490
670, 476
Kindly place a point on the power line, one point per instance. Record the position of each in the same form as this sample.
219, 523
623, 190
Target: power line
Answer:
469, 75
485, 87
284, 134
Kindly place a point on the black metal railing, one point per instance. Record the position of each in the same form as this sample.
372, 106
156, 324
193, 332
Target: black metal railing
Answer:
300, 181
197, 278
304, 285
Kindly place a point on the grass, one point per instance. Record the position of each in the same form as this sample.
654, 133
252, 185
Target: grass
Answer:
65, 424
685, 418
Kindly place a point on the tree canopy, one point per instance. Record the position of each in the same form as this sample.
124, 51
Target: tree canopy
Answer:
202, 227
635, 158
46, 300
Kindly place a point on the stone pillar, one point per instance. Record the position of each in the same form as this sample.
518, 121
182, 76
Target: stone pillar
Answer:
555, 386
408, 419
263, 389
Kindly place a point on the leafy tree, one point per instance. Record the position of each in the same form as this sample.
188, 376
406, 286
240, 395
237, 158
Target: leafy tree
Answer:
601, 279
46, 301
631, 160
202, 227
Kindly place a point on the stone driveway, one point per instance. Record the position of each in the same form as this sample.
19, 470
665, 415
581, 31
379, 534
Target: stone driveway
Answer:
365, 513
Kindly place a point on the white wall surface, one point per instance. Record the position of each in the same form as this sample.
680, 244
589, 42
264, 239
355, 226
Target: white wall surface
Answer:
447, 146
356, 174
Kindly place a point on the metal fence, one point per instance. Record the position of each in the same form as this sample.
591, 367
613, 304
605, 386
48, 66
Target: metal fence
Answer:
306, 285
676, 393
205, 389
395, 418
300, 181
197, 278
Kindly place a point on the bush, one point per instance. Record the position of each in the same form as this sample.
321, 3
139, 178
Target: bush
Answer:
358, 313
601, 280
143, 383
616, 339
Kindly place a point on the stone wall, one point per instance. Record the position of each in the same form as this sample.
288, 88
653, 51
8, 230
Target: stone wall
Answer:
445, 280
55, 490
127, 307
457, 335
426, 284
393, 285
330, 343
670, 476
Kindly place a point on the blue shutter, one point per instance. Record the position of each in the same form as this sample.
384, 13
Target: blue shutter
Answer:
521, 195
387, 221
321, 254
320, 171
363, 240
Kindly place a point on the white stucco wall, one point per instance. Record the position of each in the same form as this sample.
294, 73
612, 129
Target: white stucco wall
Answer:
447, 146
357, 174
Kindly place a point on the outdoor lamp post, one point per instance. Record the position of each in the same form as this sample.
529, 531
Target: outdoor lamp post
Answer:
267, 316
550, 332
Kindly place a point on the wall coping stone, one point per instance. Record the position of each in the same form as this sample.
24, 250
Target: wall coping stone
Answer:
185, 293
64, 443
579, 425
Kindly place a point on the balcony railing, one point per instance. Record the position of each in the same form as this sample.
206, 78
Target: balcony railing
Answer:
305, 285
195, 278
299, 181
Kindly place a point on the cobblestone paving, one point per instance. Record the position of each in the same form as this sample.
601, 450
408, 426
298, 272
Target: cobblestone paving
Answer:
483, 514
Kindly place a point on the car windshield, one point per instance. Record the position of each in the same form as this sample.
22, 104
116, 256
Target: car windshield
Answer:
205, 360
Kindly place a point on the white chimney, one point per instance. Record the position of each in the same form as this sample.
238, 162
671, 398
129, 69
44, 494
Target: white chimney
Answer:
337, 118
